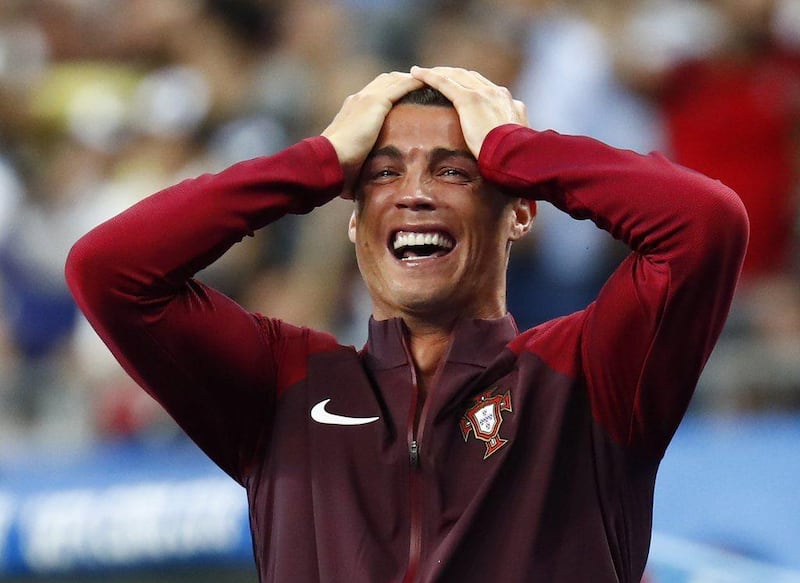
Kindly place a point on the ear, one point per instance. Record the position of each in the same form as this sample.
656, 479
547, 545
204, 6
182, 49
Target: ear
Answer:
523, 213
351, 227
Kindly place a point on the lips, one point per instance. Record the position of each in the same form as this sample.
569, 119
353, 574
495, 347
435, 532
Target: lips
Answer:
407, 245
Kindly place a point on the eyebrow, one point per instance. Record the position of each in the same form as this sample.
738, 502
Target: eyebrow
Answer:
436, 155
440, 154
388, 151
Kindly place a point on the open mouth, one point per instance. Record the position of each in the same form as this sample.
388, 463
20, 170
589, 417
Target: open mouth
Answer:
407, 245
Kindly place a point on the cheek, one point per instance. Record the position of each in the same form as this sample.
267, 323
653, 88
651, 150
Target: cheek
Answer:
367, 250
358, 229
490, 240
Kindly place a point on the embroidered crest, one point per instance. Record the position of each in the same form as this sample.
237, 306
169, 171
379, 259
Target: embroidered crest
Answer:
484, 419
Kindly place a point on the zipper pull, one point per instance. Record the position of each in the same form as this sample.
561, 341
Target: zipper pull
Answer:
414, 452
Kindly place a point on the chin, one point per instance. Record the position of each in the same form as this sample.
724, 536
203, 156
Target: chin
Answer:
434, 303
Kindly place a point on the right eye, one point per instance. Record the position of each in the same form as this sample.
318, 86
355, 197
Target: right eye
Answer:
383, 174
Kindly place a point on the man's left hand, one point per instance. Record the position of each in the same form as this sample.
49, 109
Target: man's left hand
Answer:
481, 105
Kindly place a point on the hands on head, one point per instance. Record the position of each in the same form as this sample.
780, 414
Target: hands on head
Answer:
481, 106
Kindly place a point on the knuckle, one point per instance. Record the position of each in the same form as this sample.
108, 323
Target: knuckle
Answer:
474, 97
363, 95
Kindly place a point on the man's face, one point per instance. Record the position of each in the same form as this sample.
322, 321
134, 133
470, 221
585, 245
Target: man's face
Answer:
431, 236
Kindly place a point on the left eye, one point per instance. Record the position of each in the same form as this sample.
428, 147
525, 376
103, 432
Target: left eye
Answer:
453, 172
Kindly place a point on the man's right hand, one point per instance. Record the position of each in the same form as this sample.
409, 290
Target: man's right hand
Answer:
355, 128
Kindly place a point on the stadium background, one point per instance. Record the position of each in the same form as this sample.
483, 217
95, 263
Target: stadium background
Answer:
105, 101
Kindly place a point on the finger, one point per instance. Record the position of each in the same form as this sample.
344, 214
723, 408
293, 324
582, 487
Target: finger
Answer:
522, 112
386, 79
403, 86
482, 79
440, 80
469, 79
392, 85
459, 76
474, 80
435, 75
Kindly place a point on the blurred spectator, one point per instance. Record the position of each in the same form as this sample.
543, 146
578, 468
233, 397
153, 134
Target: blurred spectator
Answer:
733, 112
315, 62
103, 102
11, 194
757, 366
123, 98
731, 107
39, 314
484, 36
570, 84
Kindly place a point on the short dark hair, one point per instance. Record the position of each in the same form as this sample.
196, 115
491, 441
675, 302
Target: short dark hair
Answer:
425, 96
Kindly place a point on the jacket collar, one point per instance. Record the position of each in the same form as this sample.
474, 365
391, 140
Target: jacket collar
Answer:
475, 342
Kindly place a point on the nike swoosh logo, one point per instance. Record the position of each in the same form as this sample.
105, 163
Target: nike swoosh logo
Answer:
320, 415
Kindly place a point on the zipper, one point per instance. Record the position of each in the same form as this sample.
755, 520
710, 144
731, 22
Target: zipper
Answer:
414, 454
414, 477
416, 426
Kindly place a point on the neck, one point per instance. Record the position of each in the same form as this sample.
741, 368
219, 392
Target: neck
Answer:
428, 344
429, 334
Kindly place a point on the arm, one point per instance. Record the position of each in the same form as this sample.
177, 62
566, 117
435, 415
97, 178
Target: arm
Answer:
647, 337
210, 363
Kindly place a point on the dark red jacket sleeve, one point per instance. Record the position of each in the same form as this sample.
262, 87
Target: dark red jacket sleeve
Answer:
645, 340
212, 365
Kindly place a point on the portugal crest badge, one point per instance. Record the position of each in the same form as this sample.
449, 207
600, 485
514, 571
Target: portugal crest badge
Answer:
484, 419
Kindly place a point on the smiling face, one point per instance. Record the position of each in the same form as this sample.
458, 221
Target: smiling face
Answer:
431, 236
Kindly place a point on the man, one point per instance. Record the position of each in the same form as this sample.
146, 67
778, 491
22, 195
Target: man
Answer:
452, 447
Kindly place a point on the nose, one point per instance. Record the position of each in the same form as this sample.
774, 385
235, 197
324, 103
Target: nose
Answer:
416, 197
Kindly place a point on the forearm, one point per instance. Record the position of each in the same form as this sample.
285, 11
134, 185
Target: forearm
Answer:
156, 245
656, 207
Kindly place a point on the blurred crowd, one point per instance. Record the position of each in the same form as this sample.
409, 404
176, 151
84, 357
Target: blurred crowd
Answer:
103, 102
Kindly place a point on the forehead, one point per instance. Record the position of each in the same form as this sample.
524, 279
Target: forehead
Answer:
411, 126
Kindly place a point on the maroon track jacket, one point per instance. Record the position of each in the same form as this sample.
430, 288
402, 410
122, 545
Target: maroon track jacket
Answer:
534, 458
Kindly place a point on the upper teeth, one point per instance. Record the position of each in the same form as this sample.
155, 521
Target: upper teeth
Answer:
405, 239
